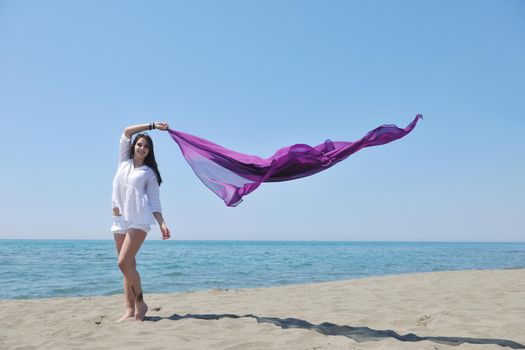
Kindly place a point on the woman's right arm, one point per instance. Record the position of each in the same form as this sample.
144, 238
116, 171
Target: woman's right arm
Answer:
133, 129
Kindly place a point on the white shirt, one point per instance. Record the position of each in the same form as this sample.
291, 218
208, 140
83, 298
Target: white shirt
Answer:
135, 190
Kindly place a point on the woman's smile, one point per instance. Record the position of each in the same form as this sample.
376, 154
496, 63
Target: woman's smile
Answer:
142, 149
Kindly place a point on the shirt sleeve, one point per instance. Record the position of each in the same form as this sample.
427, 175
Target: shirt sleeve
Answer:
125, 145
152, 191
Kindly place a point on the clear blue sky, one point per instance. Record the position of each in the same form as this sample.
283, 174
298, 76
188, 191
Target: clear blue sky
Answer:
255, 76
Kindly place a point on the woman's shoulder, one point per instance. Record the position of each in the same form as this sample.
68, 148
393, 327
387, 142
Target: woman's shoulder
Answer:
125, 162
149, 173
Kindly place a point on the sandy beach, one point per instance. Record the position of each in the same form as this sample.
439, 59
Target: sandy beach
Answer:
440, 310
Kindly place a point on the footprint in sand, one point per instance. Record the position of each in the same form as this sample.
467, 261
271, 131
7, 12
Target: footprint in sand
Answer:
100, 319
423, 320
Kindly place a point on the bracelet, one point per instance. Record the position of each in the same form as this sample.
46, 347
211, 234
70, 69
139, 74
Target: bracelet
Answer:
149, 127
153, 125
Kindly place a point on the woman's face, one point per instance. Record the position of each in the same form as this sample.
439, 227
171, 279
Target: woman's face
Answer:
141, 148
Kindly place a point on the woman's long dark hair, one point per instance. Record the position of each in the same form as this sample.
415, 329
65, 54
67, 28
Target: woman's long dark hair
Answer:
150, 158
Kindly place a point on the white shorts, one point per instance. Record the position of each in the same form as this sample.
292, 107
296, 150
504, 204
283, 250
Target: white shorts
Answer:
121, 226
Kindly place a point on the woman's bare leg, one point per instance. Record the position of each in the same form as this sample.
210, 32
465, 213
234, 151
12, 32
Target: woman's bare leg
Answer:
128, 294
126, 262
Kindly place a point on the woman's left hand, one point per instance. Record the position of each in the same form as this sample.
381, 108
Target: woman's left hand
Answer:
161, 126
166, 234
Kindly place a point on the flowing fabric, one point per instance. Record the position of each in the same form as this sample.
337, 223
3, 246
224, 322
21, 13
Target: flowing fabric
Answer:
233, 175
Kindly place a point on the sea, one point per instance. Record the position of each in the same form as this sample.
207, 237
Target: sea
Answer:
34, 269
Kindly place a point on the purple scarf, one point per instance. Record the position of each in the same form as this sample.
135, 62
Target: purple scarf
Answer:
232, 175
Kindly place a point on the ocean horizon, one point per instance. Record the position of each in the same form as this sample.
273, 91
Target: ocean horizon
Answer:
44, 268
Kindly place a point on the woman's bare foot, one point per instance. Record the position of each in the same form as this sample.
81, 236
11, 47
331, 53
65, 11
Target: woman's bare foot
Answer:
128, 315
140, 311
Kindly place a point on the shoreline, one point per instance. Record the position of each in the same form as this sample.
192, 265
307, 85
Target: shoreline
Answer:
57, 268
432, 310
408, 274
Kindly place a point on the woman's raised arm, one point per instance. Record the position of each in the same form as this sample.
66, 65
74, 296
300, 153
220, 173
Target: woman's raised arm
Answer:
133, 129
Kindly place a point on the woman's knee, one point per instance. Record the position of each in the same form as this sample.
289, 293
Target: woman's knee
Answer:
126, 264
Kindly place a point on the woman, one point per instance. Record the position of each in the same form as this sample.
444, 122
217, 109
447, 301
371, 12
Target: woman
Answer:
136, 206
